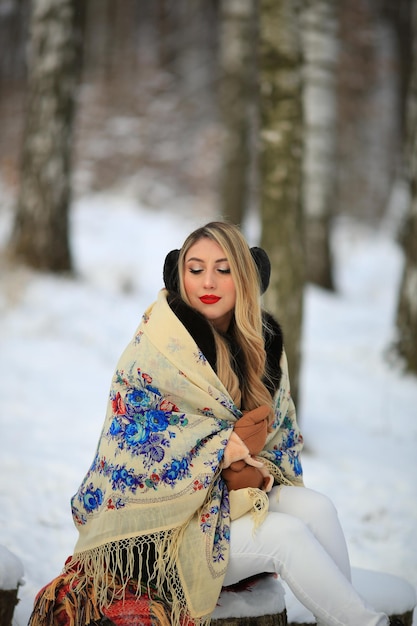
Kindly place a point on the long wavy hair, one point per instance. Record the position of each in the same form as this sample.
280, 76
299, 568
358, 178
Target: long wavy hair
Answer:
246, 326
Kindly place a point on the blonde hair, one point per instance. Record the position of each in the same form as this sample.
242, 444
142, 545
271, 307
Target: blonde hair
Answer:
246, 326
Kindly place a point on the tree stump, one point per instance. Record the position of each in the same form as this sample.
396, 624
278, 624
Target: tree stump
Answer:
11, 574
280, 619
241, 604
8, 601
407, 618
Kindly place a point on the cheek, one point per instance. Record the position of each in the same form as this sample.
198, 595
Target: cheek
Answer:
232, 292
188, 285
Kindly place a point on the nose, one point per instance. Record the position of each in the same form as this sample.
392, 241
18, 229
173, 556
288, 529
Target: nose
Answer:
209, 279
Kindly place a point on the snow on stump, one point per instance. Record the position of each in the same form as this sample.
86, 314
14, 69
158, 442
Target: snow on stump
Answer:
11, 575
257, 601
385, 592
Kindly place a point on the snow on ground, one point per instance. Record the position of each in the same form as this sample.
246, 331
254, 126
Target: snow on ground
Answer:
60, 339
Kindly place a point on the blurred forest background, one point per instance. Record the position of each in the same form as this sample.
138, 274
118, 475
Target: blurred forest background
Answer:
281, 115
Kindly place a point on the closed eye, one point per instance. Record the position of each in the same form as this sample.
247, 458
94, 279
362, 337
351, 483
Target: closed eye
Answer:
221, 270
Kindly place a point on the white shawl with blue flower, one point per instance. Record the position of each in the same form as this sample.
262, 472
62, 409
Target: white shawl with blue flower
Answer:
156, 476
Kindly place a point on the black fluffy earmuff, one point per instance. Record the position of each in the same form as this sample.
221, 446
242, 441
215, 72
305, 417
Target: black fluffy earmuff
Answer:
263, 264
170, 271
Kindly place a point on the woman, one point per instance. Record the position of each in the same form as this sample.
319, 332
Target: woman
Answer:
197, 481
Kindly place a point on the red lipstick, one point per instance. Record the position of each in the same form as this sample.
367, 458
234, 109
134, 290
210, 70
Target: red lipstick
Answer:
209, 299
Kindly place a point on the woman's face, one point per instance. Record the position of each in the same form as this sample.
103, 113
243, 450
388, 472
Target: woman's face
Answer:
208, 282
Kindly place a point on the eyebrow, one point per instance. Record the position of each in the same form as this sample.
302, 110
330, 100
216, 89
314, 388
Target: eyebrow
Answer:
194, 258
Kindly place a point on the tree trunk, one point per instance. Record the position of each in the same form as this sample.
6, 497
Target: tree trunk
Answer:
281, 154
237, 99
400, 17
14, 17
368, 114
320, 48
407, 305
195, 42
41, 237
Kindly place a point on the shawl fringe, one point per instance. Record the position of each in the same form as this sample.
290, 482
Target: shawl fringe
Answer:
94, 580
60, 603
111, 567
250, 499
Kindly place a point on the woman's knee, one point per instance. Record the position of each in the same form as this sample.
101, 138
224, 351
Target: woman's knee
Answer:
307, 504
322, 505
269, 548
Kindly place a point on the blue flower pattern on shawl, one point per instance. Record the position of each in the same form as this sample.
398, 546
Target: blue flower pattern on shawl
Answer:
286, 455
143, 424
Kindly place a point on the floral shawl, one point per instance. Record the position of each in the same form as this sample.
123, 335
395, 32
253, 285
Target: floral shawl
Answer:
156, 476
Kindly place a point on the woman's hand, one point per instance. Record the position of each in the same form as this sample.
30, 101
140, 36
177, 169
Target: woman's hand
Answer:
240, 475
240, 467
236, 450
252, 428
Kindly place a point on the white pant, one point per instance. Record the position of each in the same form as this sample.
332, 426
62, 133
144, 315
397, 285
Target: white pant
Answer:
302, 540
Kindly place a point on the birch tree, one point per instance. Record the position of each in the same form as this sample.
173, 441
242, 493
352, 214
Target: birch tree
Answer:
41, 231
238, 27
319, 27
407, 303
281, 155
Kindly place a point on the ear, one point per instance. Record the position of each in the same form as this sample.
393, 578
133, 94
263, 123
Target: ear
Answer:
170, 272
264, 267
